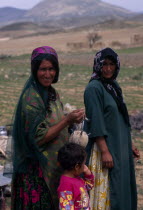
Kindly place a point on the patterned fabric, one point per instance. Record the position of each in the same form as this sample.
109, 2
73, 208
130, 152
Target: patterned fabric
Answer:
32, 106
29, 191
51, 170
31, 123
98, 62
73, 192
99, 195
66, 201
43, 50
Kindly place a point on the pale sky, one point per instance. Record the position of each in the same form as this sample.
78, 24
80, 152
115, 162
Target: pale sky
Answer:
133, 5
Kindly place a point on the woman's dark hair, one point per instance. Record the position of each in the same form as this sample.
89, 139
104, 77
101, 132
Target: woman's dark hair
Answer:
70, 155
110, 57
114, 60
35, 63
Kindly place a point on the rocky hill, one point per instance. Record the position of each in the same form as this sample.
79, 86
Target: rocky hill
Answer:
10, 14
71, 13
137, 17
73, 8
75, 13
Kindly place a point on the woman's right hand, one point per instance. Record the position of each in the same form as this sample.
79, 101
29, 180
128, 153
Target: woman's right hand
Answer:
75, 116
107, 160
106, 157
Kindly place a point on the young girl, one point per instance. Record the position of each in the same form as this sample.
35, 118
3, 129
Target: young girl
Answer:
73, 190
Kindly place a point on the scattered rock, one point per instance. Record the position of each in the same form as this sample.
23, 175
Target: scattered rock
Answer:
137, 121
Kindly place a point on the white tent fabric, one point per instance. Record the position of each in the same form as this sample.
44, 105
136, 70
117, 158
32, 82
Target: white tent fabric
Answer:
3, 144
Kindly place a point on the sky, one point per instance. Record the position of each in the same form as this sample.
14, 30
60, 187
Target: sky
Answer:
133, 5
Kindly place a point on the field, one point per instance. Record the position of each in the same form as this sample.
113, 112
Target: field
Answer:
18, 42
75, 72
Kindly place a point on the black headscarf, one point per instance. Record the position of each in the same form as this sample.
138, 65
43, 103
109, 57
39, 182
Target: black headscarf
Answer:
109, 84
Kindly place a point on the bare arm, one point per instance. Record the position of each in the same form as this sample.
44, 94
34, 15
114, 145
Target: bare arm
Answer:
106, 157
86, 170
74, 117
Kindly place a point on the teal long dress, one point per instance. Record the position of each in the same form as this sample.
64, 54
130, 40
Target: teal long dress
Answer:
105, 119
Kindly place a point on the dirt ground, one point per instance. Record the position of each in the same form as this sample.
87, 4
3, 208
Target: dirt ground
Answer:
65, 41
129, 60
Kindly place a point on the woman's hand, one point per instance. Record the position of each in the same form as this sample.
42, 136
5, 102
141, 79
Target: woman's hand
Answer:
106, 157
136, 153
107, 160
75, 116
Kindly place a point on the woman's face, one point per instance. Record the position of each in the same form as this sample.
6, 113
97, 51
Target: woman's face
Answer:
108, 68
46, 73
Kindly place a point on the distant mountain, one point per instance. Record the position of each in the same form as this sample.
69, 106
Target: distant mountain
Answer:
27, 29
20, 26
67, 13
56, 10
138, 17
10, 14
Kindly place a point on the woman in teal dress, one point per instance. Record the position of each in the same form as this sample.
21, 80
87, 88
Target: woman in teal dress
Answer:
110, 149
40, 129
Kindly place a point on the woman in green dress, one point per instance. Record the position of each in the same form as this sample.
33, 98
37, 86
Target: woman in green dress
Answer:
40, 129
110, 149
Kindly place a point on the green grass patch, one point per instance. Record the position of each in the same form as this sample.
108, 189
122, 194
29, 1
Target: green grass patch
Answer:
14, 71
130, 50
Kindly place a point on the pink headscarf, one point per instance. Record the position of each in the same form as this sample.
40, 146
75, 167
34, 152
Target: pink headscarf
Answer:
43, 50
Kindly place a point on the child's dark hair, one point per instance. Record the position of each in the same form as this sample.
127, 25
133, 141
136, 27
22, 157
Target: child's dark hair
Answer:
70, 155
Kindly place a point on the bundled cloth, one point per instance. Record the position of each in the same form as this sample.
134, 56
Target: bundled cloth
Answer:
79, 137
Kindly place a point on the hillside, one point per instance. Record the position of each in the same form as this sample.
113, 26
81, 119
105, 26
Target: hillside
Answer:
137, 17
71, 13
10, 14
26, 29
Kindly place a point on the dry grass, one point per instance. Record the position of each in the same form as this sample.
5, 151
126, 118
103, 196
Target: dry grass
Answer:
59, 41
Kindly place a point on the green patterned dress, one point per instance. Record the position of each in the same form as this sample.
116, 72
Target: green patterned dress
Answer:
37, 188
